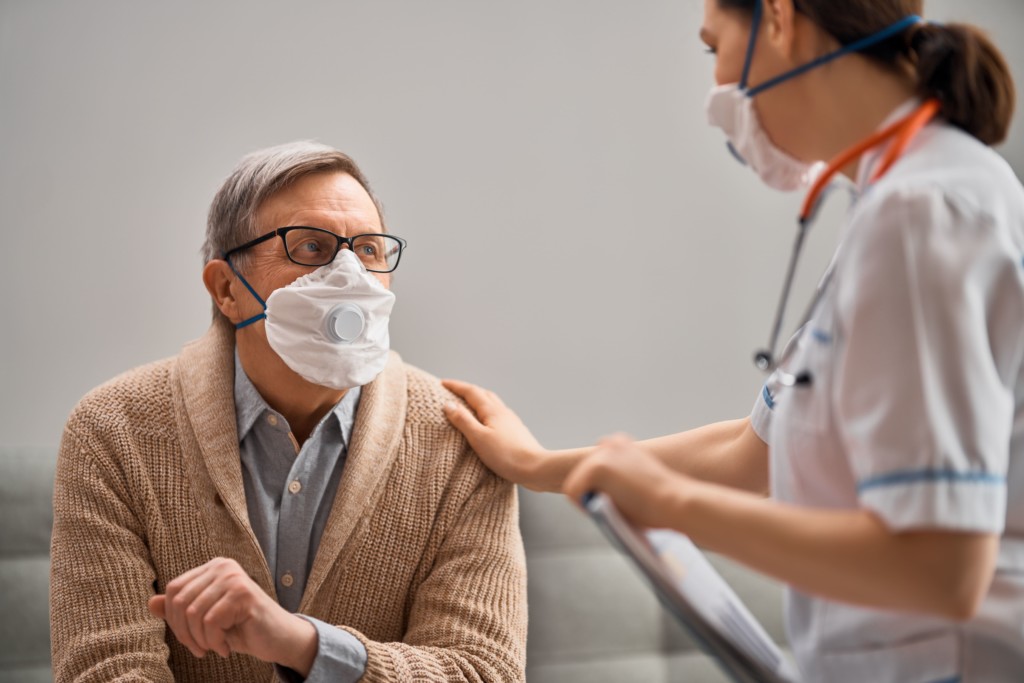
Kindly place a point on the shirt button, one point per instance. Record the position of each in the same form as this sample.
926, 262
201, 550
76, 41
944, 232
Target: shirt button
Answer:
295, 486
272, 419
287, 580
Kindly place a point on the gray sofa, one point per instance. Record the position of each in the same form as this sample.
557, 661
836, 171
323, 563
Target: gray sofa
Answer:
592, 619
26, 516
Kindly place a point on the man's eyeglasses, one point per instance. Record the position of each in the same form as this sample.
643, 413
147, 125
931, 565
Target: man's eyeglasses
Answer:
317, 247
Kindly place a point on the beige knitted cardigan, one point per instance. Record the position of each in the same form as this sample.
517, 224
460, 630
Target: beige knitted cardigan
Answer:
421, 558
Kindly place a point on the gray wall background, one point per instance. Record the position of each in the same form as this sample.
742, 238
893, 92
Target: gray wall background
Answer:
579, 240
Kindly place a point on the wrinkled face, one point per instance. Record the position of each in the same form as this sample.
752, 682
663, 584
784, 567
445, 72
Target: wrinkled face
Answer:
331, 201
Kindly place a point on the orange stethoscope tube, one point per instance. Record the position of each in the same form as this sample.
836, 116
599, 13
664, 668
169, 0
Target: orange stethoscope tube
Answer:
902, 133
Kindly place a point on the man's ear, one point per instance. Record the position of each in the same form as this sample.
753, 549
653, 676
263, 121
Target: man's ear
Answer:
217, 276
780, 21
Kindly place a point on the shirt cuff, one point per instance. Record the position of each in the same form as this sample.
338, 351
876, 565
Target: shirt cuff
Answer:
340, 657
937, 499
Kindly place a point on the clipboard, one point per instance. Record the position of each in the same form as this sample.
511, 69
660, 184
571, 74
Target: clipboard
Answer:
690, 588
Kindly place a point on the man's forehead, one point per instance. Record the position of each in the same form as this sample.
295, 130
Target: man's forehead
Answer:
334, 197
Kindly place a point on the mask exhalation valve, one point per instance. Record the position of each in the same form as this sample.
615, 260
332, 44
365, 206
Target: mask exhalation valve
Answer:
345, 323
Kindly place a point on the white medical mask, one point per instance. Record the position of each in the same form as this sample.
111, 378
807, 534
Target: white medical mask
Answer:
331, 326
731, 108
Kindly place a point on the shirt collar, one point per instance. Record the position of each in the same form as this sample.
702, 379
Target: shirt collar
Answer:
250, 406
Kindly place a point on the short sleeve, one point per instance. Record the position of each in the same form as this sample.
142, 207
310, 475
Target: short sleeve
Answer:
928, 303
761, 414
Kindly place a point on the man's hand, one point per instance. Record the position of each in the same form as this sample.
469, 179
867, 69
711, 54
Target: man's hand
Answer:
218, 607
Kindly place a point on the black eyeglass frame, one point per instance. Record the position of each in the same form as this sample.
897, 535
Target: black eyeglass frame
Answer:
281, 232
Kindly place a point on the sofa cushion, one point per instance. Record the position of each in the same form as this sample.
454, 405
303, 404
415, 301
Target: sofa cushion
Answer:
593, 616
651, 668
26, 519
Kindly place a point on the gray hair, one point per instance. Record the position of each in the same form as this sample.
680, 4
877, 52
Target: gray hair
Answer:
233, 212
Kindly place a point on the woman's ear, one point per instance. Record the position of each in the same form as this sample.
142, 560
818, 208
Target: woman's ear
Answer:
780, 26
217, 277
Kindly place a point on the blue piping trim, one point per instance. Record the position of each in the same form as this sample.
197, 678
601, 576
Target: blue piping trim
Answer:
767, 396
856, 46
755, 26
821, 336
929, 477
954, 679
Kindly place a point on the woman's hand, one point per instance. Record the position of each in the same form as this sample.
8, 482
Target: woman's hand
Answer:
642, 487
498, 436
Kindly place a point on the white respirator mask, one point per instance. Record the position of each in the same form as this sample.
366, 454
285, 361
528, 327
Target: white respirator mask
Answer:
330, 326
731, 108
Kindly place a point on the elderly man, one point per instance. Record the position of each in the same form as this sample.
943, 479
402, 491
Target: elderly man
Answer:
285, 498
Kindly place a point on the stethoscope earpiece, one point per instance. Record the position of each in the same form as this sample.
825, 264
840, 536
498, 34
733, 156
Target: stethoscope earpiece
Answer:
763, 360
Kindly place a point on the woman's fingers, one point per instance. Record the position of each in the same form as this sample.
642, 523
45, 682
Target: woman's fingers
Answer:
465, 421
482, 401
644, 490
587, 476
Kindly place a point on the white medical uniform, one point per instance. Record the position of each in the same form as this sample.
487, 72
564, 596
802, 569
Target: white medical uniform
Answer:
916, 406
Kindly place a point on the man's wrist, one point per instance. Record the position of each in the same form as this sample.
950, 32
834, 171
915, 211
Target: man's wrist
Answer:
299, 646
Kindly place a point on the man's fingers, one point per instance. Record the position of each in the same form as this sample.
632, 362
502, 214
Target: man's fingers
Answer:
220, 621
156, 606
183, 580
216, 635
180, 599
196, 613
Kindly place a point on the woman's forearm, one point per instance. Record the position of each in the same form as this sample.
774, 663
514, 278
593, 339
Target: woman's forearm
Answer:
727, 453
849, 556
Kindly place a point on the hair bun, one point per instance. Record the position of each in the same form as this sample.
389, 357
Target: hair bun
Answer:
958, 65
925, 35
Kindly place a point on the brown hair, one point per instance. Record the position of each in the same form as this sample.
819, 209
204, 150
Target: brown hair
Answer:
956, 64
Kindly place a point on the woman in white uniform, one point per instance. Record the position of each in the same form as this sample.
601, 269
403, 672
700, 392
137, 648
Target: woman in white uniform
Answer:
890, 433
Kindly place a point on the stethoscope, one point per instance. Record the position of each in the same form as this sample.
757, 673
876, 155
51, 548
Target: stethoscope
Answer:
901, 134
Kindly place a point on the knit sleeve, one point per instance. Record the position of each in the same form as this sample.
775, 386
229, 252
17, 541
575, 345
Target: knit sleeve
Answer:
468, 617
101, 577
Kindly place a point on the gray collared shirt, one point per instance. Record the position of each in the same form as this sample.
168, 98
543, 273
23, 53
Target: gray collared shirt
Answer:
289, 492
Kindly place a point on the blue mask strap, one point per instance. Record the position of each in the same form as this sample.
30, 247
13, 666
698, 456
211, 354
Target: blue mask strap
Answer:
755, 27
255, 318
884, 34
